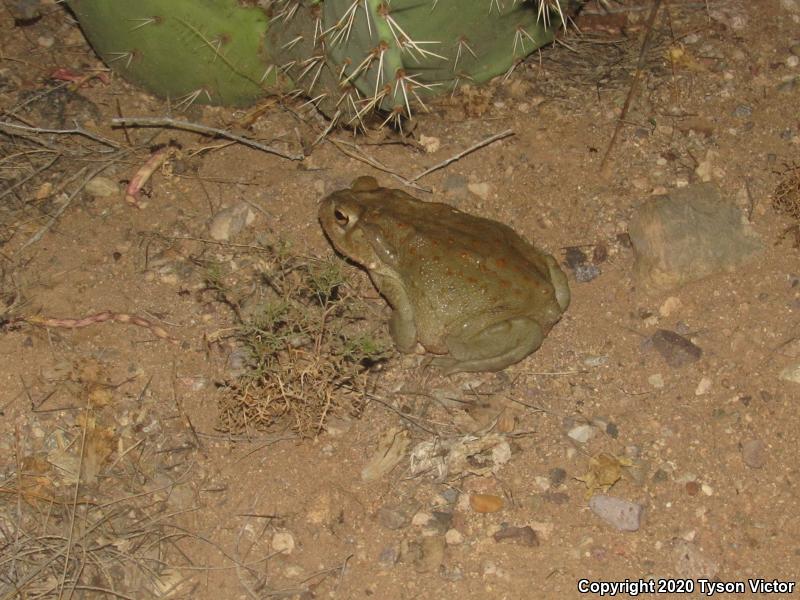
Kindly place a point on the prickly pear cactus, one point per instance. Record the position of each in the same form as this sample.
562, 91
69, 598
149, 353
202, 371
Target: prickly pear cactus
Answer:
349, 57
392, 55
209, 51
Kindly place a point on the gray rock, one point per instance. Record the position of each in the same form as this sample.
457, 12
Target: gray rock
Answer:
524, 536
25, 11
388, 556
587, 272
691, 563
557, 476
754, 453
622, 515
398, 516
230, 221
675, 349
582, 433
687, 235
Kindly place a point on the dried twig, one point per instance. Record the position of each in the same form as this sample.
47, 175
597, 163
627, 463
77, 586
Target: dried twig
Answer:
604, 164
463, 153
372, 162
25, 180
77, 130
57, 214
203, 129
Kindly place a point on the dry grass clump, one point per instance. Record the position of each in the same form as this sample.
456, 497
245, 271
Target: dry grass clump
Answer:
306, 347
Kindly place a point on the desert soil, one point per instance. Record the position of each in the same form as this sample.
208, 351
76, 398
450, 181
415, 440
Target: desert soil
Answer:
169, 505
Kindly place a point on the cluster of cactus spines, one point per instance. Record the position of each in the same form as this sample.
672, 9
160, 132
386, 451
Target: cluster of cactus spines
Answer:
350, 58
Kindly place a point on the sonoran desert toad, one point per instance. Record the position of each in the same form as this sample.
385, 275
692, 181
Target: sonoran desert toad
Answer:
469, 290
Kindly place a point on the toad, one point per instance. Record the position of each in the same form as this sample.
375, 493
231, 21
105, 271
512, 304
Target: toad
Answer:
470, 290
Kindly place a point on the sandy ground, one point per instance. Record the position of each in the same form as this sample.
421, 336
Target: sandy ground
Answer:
172, 506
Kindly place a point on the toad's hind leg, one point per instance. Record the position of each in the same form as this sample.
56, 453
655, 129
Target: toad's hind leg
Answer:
492, 348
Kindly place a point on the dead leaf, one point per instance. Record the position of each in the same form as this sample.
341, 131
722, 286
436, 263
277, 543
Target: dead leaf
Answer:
604, 471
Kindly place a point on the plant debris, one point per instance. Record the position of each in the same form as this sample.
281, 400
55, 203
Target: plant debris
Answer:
307, 350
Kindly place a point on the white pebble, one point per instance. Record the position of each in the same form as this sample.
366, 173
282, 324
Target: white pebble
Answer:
453, 537
582, 433
482, 190
283, 542
703, 386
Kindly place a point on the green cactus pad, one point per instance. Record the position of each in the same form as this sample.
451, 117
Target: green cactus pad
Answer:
396, 52
211, 51
351, 57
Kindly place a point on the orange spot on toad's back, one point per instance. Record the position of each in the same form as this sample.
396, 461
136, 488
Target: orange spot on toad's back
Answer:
501, 263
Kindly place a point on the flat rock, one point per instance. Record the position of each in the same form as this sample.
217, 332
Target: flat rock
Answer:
230, 221
524, 536
621, 514
754, 453
690, 562
675, 349
687, 235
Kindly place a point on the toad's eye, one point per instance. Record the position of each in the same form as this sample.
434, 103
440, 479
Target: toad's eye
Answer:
341, 218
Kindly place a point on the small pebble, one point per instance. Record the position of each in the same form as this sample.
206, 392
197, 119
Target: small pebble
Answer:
582, 433
743, 111
574, 257
557, 476
421, 519
397, 517
620, 514
703, 386
45, 41
669, 306
754, 453
656, 380
230, 221
388, 556
791, 373
792, 61
450, 495
101, 187
586, 272
430, 143
441, 521
482, 190
595, 361
453, 537
283, 542
676, 350
525, 536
